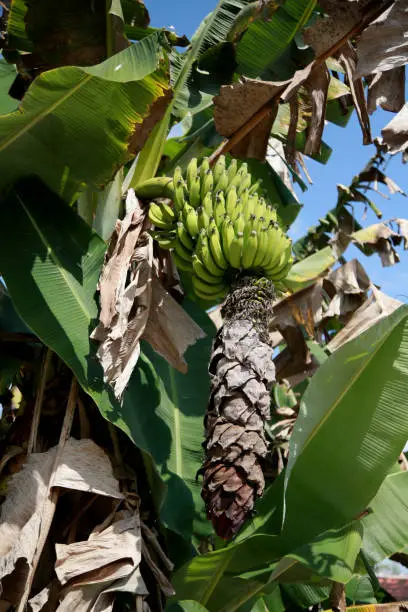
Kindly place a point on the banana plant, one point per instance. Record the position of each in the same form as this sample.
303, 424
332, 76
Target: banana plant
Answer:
225, 236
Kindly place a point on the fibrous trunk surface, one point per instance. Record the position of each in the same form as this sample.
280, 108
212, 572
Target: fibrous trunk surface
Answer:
242, 374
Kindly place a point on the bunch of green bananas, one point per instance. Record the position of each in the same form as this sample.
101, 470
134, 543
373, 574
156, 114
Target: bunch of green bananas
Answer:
219, 223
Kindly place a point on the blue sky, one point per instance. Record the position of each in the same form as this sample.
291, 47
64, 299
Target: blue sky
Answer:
349, 157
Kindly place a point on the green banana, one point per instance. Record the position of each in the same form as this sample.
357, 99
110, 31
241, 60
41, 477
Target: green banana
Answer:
250, 249
201, 271
222, 183
184, 236
203, 218
194, 193
214, 242
190, 218
283, 272
204, 167
231, 202
227, 236
159, 218
208, 292
255, 187
244, 184
239, 223
219, 208
232, 170
157, 187
219, 168
204, 253
182, 263
207, 204
262, 247
179, 195
207, 184
182, 251
235, 251
192, 173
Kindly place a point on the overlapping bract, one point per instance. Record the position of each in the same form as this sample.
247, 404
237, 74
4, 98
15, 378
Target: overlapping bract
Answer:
218, 224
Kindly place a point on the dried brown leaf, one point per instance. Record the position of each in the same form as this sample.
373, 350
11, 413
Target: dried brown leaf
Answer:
83, 466
348, 59
387, 90
395, 133
378, 306
381, 239
237, 103
234, 107
347, 287
125, 294
317, 86
403, 230
170, 330
107, 555
342, 17
384, 44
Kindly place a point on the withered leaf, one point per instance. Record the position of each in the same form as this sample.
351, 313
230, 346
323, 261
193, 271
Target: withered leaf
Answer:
381, 239
384, 44
317, 86
83, 466
378, 306
234, 107
395, 133
169, 329
125, 295
327, 31
387, 89
348, 59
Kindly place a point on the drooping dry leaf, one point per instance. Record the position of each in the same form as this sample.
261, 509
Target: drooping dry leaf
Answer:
325, 32
107, 555
384, 44
125, 294
348, 59
403, 230
373, 176
387, 89
347, 287
169, 329
110, 557
395, 133
83, 465
378, 306
381, 239
237, 103
317, 86
134, 584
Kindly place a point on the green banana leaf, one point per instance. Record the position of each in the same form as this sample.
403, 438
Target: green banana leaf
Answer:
360, 590
305, 595
212, 30
16, 29
52, 283
351, 427
306, 271
7, 75
264, 42
186, 606
386, 527
68, 132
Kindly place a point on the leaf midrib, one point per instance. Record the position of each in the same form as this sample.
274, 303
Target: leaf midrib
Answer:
47, 111
56, 260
